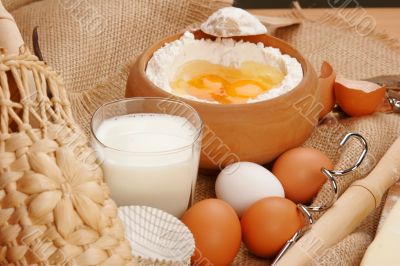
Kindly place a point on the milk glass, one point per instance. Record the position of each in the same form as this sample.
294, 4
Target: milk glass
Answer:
149, 149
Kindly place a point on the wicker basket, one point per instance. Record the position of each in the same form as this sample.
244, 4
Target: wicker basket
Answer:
55, 208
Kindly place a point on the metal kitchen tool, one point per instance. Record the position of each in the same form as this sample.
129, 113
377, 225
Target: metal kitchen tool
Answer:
331, 175
392, 84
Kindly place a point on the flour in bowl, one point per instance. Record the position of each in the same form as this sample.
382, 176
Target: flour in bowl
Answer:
167, 61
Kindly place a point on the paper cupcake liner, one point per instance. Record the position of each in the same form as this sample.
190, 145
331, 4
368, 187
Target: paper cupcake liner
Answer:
156, 237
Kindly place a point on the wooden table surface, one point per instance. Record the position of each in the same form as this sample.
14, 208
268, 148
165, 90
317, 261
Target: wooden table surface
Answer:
387, 19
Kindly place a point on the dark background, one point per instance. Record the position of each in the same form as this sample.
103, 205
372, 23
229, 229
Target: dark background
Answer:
316, 3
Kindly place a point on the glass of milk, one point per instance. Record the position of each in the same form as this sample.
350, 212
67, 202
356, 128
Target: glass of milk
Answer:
150, 150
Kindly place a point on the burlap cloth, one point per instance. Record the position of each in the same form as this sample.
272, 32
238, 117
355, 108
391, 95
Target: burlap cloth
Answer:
91, 44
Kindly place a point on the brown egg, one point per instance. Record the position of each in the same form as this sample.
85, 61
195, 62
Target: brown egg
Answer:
357, 97
268, 224
299, 171
216, 230
325, 84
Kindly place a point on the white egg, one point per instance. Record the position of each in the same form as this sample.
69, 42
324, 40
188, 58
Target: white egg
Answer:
242, 184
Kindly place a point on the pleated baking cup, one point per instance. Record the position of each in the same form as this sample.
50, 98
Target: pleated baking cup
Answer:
156, 237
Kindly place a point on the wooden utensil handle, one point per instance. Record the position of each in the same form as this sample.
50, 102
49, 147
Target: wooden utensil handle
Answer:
11, 42
10, 36
278, 22
359, 200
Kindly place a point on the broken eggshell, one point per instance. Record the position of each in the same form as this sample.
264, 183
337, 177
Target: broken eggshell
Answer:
325, 82
358, 97
232, 21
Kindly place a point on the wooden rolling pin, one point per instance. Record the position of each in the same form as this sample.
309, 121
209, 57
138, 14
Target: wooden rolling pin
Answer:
356, 203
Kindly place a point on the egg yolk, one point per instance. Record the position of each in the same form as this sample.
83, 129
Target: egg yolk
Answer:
213, 82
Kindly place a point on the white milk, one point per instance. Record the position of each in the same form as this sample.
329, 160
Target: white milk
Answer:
139, 171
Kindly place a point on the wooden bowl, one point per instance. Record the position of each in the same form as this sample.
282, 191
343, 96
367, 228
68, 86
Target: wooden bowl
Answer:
256, 132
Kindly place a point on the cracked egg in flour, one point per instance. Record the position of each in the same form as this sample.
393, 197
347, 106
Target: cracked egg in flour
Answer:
223, 71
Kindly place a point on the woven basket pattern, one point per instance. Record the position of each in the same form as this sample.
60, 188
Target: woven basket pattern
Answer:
55, 208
